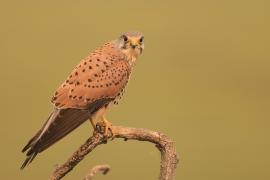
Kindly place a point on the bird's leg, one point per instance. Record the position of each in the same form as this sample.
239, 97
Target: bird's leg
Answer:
92, 123
103, 125
108, 127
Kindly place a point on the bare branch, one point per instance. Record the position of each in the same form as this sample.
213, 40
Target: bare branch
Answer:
104, 169
169, 158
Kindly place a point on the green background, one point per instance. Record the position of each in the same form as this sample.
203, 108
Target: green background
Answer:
203, 80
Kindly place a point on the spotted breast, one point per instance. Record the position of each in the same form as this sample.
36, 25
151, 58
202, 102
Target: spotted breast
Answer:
102, 74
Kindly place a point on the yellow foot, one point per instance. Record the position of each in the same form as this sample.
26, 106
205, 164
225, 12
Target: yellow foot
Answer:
108, 130
105, 127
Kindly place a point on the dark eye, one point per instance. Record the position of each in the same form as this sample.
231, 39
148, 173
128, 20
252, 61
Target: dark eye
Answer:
141, 40
125, 38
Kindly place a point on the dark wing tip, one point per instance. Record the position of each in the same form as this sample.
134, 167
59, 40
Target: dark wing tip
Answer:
25, 148
28, 160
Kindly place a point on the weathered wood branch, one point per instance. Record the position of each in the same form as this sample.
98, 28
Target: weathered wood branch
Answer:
104, 169
169, 158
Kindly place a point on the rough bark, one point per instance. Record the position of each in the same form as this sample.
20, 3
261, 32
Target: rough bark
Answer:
104, 169
169, 158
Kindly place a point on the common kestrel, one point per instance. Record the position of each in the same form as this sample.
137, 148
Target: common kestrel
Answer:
96, 83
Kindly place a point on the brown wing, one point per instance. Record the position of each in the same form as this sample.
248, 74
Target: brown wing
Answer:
103, 74
60, 123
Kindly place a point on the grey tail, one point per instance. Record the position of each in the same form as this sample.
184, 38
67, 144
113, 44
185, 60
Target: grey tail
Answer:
60, 123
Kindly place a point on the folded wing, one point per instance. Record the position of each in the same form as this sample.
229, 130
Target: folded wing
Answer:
60, 123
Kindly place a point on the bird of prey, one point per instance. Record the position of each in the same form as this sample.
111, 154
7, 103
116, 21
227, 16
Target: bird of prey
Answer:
96, 83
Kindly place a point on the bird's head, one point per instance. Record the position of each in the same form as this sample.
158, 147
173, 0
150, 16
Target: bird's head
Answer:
131, 44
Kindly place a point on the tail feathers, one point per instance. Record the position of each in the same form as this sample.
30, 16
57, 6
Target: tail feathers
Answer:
28, 160
30, 144
31, 141
60, 123
36, 136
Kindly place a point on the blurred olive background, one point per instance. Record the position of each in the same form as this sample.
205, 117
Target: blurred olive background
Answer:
203, 80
